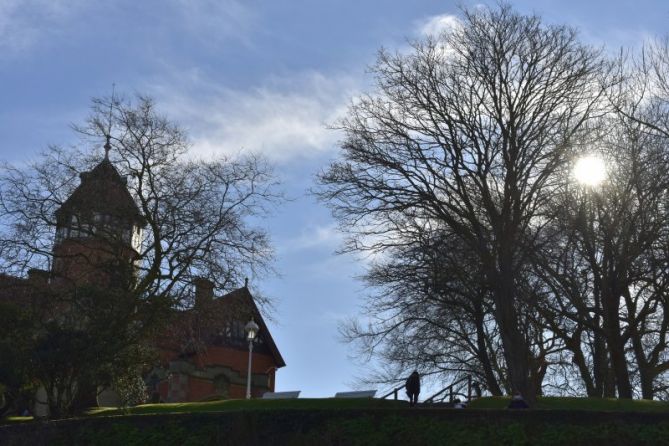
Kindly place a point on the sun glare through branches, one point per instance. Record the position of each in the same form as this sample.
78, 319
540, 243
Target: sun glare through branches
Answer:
590, 170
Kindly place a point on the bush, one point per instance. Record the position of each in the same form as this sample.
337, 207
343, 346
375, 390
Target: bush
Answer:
131, 389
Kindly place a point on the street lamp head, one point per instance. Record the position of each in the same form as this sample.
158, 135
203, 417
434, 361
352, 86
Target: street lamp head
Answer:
590, 170
251, 330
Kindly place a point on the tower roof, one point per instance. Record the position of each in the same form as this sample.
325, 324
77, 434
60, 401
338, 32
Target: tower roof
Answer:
102, 190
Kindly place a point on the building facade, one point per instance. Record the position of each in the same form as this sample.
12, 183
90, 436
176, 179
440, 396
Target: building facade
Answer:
213, 364
202, 352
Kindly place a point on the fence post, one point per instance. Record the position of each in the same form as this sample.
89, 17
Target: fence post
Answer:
450, 394
395, 394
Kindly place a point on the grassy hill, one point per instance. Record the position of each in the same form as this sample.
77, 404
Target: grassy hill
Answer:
253, 405
556, 421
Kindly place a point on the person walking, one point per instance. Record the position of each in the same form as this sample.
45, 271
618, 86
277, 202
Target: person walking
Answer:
413, 388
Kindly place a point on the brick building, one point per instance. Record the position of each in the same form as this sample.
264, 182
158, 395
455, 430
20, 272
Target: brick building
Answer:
203, 353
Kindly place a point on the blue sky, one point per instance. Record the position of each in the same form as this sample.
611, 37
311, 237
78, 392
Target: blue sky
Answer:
258, 75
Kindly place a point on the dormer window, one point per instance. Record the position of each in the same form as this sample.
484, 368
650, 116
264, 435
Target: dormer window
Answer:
233, 333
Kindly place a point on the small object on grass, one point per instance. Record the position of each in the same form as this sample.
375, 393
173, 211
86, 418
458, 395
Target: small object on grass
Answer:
517, 402
358, 394
281, 395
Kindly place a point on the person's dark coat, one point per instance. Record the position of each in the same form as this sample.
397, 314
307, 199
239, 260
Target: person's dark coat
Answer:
413, 387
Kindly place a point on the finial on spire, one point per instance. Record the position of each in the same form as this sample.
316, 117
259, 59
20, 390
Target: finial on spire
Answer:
107, 146
246, 282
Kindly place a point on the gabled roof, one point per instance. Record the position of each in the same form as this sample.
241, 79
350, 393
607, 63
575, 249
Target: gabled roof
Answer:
242, 298
195, 328
104, 191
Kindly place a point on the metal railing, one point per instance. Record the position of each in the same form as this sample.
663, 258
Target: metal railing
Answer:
451, 391
392, 392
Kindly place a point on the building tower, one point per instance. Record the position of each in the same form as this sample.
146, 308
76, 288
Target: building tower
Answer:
98, 230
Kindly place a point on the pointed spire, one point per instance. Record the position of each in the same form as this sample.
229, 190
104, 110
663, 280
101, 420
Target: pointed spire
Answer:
109, 124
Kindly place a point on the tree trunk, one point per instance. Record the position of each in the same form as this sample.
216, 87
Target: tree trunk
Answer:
647, 388
516, 351
573, 343
482, 353
600, 356
646, 374
616, 344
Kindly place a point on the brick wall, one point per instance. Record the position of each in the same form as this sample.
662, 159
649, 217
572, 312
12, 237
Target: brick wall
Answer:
198, 389
235, 359
185, 386
90, 261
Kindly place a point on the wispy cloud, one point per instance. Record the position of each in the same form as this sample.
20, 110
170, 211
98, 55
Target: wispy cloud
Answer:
321, 236
214, 20
285, 118
24, 23
438, 24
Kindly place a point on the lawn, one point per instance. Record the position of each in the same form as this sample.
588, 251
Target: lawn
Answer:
544, 403
253, 405
15, 419
353, 422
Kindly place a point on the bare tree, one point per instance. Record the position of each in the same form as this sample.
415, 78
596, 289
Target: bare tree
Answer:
199, 214
178, 219
571, 309
642, 93
468, 130
603, 263
430, 310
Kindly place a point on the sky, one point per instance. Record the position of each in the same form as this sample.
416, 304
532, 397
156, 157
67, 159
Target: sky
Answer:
260, 76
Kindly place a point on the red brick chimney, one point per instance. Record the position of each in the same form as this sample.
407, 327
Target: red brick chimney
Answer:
204, 291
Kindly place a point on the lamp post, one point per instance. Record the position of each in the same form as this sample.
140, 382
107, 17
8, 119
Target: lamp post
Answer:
251, 330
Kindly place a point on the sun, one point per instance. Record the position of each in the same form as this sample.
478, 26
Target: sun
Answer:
590, 170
